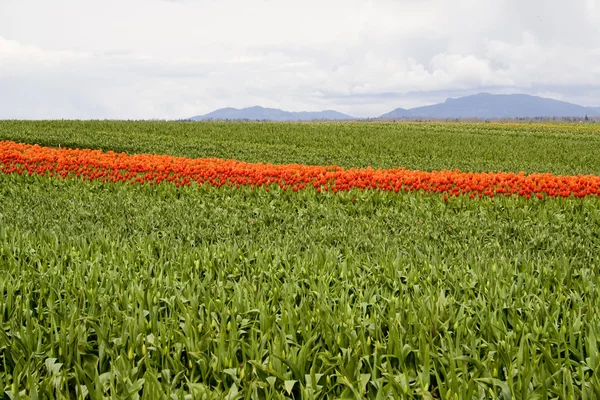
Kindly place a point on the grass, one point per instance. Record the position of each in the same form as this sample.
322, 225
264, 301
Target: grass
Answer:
127, 291
530, 147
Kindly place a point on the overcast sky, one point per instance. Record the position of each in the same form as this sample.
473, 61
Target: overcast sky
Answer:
138, 59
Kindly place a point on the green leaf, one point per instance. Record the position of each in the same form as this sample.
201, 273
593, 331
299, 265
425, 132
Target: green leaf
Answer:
289, 385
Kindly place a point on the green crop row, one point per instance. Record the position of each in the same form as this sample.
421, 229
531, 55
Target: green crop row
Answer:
530, 147
155, 292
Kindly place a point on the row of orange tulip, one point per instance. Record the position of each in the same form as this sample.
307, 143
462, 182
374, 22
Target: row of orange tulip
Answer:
152, 169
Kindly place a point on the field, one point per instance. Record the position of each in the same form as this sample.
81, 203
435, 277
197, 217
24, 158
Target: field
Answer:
138, 290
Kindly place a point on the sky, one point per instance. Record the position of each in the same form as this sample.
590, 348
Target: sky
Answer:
169, 59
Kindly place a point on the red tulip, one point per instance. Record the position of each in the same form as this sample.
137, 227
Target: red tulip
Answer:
153, 169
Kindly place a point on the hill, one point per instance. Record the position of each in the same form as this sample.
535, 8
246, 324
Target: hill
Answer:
271, 114
485, 105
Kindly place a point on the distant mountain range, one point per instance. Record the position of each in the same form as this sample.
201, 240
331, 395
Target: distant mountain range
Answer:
270, 114
483, 105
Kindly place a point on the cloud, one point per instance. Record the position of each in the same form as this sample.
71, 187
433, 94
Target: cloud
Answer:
173, 59
22, 59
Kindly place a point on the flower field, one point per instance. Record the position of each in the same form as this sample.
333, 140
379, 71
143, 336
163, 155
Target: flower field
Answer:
163, 260
154, 169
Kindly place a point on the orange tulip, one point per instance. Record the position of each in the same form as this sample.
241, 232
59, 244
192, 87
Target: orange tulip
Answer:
153, 169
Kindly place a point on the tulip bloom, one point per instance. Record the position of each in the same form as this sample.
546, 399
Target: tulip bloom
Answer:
153, 169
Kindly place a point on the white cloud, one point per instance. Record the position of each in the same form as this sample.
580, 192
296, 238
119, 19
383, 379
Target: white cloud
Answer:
172, 59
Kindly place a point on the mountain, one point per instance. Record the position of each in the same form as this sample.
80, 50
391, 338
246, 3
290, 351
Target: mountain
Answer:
397, 113
595, 109
270, 114
485, 105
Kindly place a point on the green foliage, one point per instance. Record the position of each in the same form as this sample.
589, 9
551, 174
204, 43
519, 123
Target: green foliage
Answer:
157, 292
126, 291
531, 147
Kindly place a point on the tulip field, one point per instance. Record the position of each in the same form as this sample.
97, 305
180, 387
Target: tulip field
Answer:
222, 260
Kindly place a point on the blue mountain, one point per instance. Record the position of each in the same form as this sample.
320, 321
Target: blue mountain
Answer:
595, 109
485, 105
270, 114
